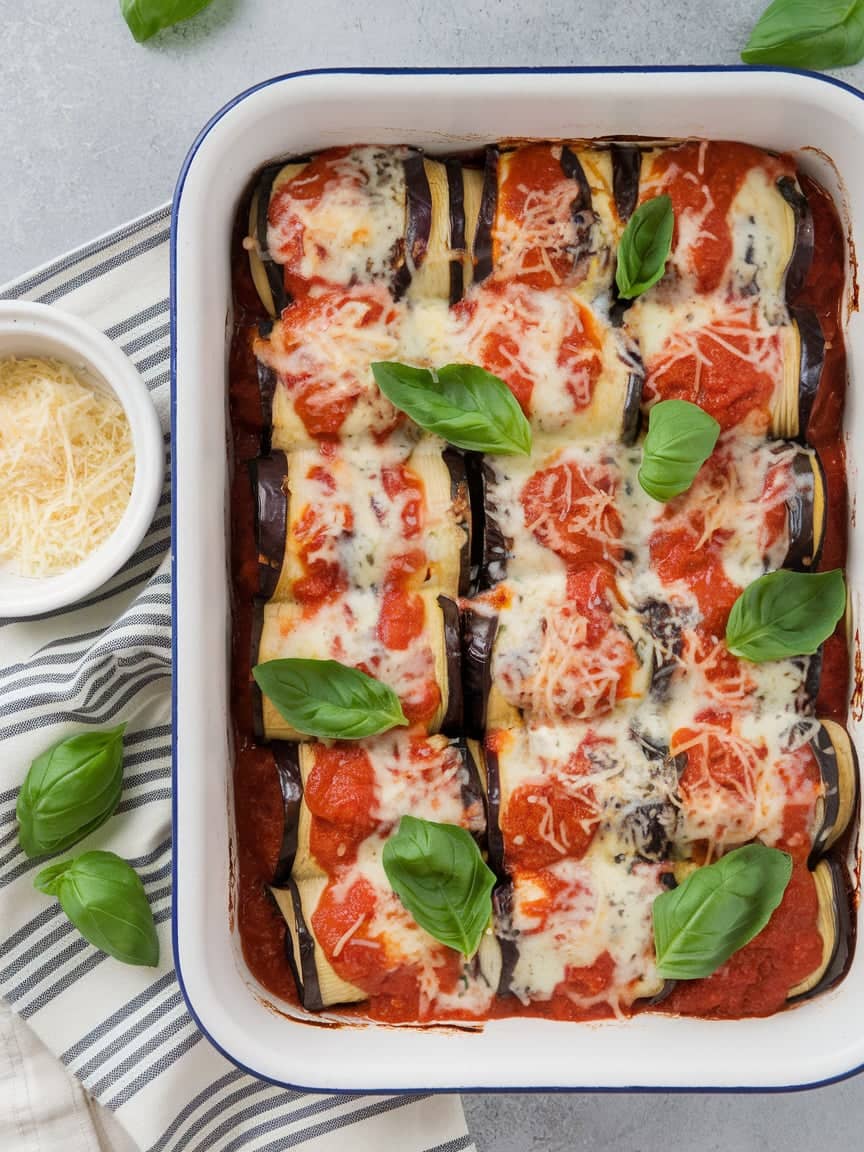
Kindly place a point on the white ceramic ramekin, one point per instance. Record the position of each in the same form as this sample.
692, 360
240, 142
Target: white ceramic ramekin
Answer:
822, 123
40, 330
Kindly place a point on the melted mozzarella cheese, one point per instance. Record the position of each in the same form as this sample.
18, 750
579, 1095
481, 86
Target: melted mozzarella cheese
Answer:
601, 906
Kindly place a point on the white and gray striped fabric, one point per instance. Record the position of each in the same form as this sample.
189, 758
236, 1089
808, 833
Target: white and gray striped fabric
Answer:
125, 1032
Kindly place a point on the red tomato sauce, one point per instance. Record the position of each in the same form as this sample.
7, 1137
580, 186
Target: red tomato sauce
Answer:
535, 181
721, 378
571, 511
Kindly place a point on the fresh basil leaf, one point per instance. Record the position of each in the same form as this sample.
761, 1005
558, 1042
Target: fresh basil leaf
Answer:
437, 872
104, 898
785, 614
327, 699
147, 17
464, 404
808, 34
644, 247
70, 790
680, 439
717, 910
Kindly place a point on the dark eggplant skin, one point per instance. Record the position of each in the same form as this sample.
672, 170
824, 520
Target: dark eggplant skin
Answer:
805, 536
812, 362
451, 724
572, 168
286, 757
268, 475
482, 254
255, 645
472, 788
581, 211
418, 221
626, 168
663, 624
494, 836
496, 547
267, 382
502, 909
632, 416
456, 201
478, 638
306, 978
802, 251
844, 944
825, 755
460, 495
650, 829
273, 271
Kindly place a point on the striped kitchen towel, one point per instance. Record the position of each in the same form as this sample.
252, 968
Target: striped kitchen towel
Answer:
124, 1031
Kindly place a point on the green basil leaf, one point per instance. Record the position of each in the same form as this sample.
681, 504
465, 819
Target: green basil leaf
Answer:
464, 404
327, 699
717, 910
70, 790
785, 614
808, 34
104, 898
437, 872
680, 439
147, 17
644, 247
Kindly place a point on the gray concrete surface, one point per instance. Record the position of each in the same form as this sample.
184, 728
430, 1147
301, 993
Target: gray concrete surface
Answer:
93, 129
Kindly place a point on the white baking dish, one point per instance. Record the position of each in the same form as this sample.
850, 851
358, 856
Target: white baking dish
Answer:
819, 120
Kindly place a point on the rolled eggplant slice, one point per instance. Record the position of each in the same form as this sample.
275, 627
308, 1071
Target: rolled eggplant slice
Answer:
318, 984
581, 931
331, 517
363, 215
408, 642
803, 360
308, 392
561, 650
338, 217
739, 231
356, 789
561, 792
835, 928
733, 790
835, 754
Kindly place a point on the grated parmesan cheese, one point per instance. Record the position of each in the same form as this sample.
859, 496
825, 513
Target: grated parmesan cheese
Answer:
66, 466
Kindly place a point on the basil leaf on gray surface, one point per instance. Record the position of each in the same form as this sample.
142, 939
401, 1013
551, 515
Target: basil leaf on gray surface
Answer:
70, 790
104, 898
147, 17
680, 439
785, 614
808, 34
437, 872
465, 405
717, 910
644, 247
327, 699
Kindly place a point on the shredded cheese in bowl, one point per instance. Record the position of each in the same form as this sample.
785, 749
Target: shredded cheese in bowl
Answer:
66, 466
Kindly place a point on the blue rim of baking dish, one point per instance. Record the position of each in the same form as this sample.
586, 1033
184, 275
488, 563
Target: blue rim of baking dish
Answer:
650, 69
